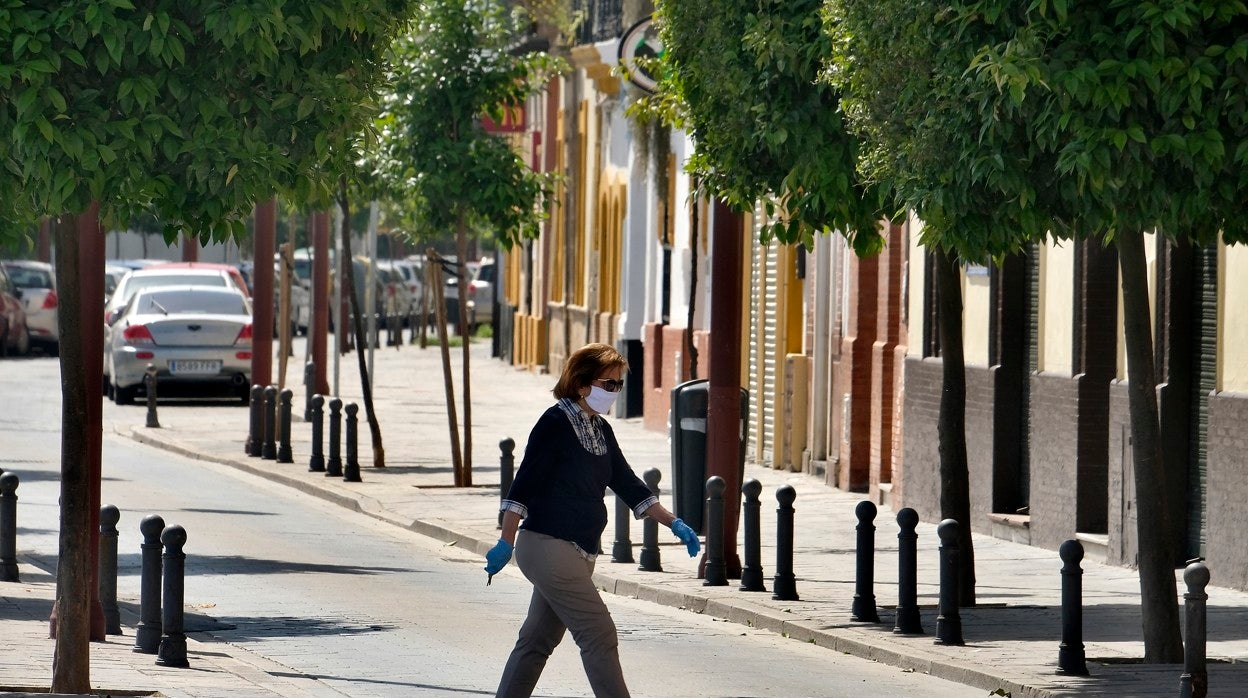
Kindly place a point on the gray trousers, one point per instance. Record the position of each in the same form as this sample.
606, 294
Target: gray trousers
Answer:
564, 597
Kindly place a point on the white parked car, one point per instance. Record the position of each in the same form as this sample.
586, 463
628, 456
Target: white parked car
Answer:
481, 295
170, 276
197, 337
414, 278
37, 282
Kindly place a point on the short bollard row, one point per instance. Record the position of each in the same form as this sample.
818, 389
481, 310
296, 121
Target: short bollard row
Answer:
784, 583
1071, 654
270, 430
333, 464
162, 584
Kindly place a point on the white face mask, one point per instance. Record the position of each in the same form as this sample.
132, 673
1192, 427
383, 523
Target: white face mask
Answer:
600, 400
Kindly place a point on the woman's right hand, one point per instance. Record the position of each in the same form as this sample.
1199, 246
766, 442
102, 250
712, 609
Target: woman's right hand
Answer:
498, 557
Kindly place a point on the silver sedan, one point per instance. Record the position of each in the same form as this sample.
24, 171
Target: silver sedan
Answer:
197, 337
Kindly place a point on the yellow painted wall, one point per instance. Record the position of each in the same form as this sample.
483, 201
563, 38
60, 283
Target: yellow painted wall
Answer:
976, 310
1057, 273
1232, 320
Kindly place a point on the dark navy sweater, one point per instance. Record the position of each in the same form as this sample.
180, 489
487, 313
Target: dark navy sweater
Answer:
559, 487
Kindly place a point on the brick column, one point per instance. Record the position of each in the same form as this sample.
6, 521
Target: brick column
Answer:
855, 379
884, 366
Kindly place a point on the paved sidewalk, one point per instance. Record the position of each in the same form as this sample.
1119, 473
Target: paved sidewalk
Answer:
1011, 637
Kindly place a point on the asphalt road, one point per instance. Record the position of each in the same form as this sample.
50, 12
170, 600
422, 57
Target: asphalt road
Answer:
343, 604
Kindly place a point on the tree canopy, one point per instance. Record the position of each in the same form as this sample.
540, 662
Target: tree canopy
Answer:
451, 69
1001, 122
190, 111
740, 78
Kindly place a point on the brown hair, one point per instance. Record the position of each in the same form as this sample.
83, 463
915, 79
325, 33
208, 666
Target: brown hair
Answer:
584, 366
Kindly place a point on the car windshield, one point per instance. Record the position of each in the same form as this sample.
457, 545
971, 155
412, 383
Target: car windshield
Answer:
23, 277
183, 301
303, 268
486, 273
137, 283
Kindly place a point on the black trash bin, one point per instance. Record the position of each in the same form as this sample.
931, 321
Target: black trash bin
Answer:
690, 406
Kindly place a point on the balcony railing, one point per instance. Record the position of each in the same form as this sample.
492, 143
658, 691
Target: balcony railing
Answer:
601, 20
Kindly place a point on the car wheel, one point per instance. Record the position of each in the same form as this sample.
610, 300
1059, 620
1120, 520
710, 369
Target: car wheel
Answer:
123, 395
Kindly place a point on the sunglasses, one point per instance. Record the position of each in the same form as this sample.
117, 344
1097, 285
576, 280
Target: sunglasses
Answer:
609, 385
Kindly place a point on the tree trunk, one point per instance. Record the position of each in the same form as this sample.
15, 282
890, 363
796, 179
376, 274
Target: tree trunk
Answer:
366, 386
955, 496
461, 243
71, 668
1159, 608
434, 260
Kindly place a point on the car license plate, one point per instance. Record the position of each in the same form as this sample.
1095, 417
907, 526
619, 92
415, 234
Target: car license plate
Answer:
194, 367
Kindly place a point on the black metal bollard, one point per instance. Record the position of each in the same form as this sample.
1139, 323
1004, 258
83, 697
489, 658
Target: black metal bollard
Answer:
622, 548
909, 621
752, 570
309, 378
256, 424
284, 454
172, 650
268, 449
716, 569
351, 472
316, 463
107, 586
863, 608
651, 560
1070, 654
147, 633
1194, 683
784, 585
149, 386
8, 527
506, 467
333, 467
948, 622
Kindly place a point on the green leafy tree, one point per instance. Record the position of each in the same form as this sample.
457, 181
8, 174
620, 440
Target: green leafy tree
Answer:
1091, 120
741, 78
899, 67
189, 111
452, 69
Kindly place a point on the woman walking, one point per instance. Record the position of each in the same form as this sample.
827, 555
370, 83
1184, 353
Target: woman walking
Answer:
571, 458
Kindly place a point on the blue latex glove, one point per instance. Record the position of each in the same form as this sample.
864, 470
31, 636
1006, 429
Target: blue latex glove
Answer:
687, 536
497, 558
